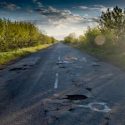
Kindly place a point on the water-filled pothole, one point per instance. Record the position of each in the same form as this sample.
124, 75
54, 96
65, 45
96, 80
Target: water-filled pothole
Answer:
75, 97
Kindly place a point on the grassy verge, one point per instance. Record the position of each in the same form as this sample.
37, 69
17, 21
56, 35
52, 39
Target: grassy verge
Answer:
6, 57
115, 57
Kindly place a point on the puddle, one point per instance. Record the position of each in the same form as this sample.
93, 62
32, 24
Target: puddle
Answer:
97, 106
75, 97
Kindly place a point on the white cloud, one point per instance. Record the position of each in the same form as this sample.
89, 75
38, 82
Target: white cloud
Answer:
94, 7
56, 16
62, 22
9, 6
38, 3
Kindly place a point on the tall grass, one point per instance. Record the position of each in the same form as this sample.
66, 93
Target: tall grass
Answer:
6, 57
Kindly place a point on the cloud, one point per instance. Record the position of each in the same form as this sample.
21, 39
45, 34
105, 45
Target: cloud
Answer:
59, 16
82, 7
35, 1
53, 12
63, 21
38, 3
9, 6
99, 8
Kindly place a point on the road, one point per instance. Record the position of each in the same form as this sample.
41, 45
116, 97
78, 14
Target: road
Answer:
62, 86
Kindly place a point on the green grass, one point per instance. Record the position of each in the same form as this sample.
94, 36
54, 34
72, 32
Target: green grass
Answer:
115, 56
6, 57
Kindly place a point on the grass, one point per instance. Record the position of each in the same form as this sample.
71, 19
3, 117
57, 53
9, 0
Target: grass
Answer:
115, 57
6, 57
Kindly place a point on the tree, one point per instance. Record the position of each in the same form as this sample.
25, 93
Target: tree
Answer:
70, 38
14, 35
114, 21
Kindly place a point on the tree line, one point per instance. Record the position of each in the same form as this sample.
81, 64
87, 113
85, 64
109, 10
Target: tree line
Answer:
109, 34
19, 34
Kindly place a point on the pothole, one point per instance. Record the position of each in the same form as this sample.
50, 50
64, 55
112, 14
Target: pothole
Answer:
75, 97
18, 68
89, 89
21, 67
62, 67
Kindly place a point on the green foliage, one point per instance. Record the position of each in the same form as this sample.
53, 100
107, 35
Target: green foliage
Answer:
71, 38
14, 35
90, 36
114, 21
107, 41
110, 35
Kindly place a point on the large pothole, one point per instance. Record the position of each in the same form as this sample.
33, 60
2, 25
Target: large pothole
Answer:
75, 97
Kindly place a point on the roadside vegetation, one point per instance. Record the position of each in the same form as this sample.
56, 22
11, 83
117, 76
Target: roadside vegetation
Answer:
107, 40
5, 57
20, 38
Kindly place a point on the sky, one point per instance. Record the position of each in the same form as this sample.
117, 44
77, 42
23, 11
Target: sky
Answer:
58, 18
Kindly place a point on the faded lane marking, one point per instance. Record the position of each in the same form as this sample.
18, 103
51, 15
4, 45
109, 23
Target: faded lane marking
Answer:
83, 59
62, 61
56, 81
97, 106
59, 58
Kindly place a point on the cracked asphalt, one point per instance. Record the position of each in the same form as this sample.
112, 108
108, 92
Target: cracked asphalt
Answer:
62, 86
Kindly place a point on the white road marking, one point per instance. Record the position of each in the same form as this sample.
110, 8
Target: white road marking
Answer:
84, 59
61, 61
95, 107
59, 58
56, 81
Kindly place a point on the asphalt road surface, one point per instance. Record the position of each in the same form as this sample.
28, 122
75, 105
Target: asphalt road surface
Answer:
62, 86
